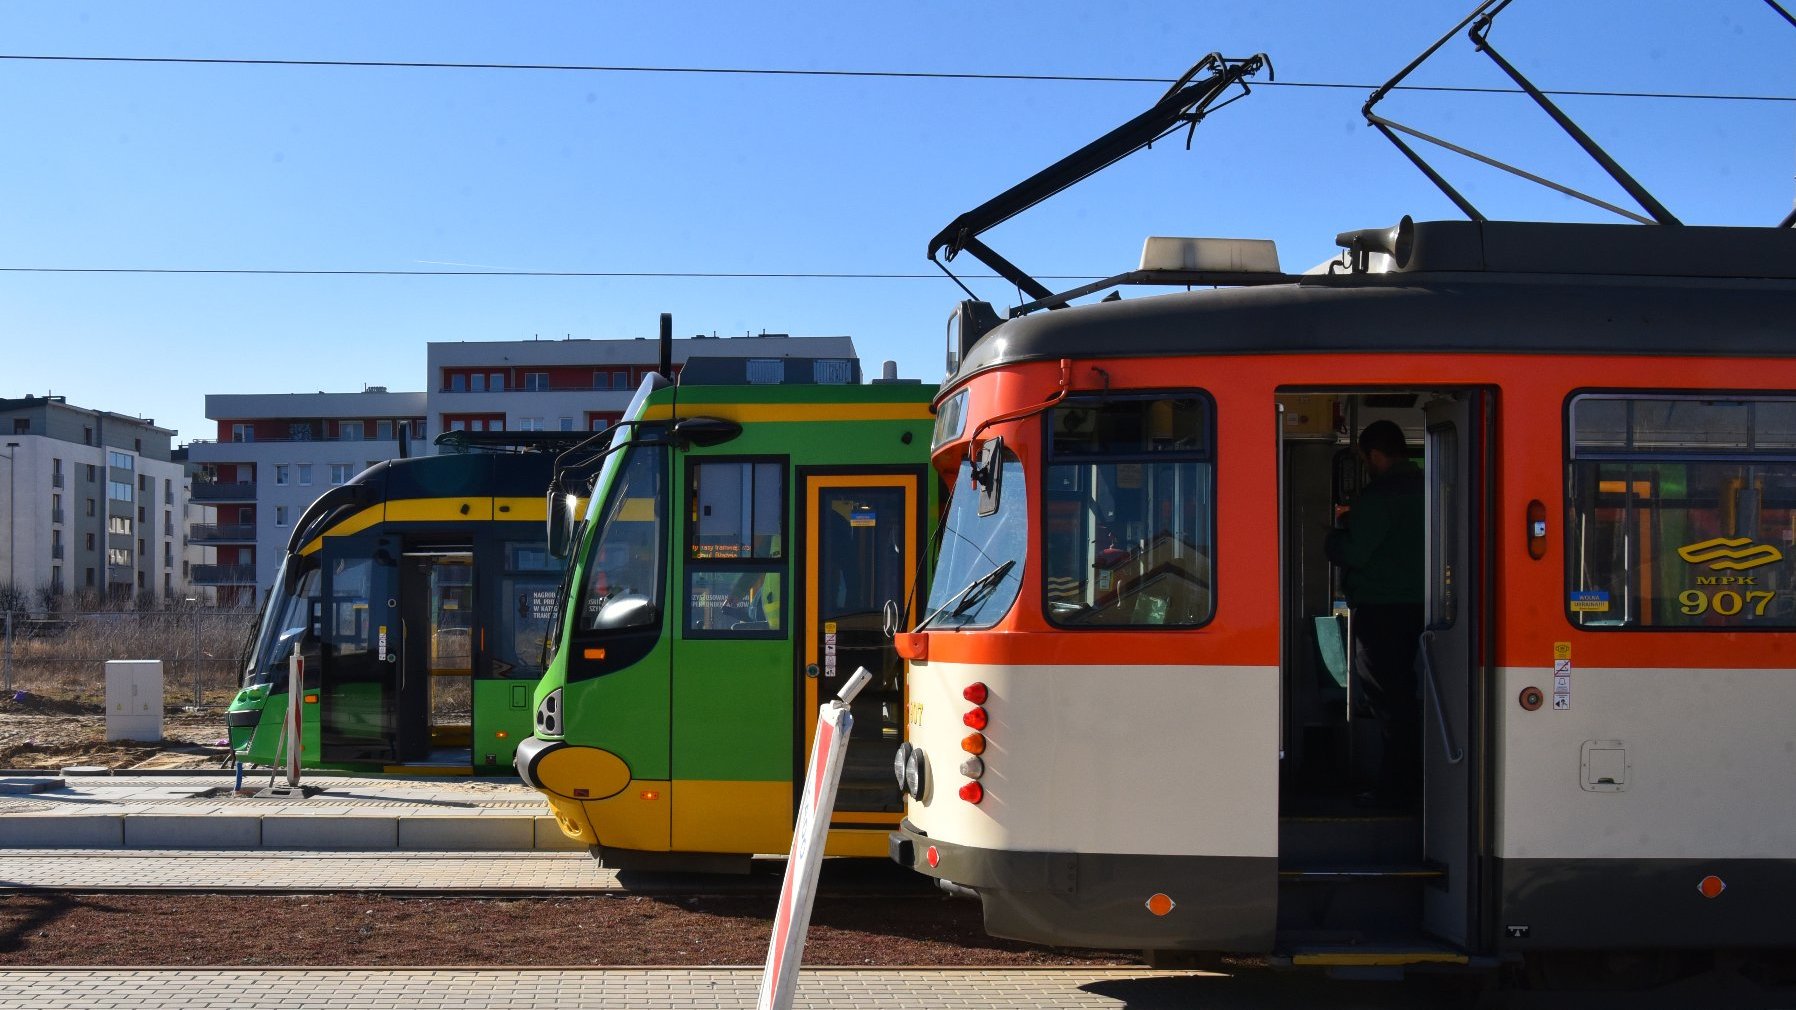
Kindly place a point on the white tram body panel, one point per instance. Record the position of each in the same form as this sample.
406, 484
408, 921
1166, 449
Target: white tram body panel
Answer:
1704, 774
1140, 760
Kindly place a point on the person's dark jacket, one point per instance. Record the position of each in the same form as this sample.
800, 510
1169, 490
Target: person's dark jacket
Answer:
1381, 547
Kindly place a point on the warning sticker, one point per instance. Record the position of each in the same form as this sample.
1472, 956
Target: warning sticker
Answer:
1561, 685
1589, 601
1562, 667
1561, 650
1562, 702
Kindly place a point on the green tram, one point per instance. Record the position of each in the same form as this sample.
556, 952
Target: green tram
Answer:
744, 550
418, 595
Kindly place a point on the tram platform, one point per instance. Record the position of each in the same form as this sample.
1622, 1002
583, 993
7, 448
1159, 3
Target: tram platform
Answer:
197, 810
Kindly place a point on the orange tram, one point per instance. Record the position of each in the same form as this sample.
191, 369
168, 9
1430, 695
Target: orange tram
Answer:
1131, 720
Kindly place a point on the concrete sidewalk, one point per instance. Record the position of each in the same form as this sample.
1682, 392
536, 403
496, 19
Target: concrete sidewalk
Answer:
199, 810
264, 871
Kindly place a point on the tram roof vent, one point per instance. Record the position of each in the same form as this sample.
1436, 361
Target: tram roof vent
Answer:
1210, 255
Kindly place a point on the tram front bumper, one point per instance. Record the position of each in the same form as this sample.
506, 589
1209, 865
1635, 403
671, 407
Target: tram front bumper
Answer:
1096, 899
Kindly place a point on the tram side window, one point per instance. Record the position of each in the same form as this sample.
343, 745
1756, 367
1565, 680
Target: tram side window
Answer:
1682, 512
1129, 518
527, 591
626, 552
735, 549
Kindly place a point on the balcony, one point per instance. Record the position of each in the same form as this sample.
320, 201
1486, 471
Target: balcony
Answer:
56, 515
56, 552
240, 491
56, 480
224, 533
223, 575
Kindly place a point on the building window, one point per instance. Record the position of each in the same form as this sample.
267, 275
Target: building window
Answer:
119, 460
119, 490
349, 431
90, 578
137, 444
567, 424
530, 424
383, 430
280, 515
55, 467
477, 382
458, 425
168, 524
92, 473
305, 474
118, 524
90, 507
87, 438
281, 473
21, 425
90, 541
536, 382
141, 516
118, 557
495, 381
458, 383
299, 431
601, 380
56, 578
339, 473
620, 380
243, 433
143, 484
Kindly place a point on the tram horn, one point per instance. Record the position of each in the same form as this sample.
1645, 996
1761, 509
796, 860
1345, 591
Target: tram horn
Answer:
1397, 242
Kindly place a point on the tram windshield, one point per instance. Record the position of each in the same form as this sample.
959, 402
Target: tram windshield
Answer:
283, 622
980, 566
624, 559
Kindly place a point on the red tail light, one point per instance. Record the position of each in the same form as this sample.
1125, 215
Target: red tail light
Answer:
972, 792
975, 693
976, 718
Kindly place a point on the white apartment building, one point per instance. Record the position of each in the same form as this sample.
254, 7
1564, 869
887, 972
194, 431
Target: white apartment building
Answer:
275, 453
93, 500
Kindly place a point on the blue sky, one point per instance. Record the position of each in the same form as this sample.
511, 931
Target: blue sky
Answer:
256, 167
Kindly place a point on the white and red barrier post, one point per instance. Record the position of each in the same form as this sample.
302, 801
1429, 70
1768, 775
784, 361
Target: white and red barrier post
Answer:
792, 917
290, 741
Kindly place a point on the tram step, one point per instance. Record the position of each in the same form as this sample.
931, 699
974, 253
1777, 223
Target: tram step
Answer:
1345, 839
1386, 958
1352, 900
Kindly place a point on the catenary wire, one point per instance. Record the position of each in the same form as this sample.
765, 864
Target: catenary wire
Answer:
641, 274
891, 74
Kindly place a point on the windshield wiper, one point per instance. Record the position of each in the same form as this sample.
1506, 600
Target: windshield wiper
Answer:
975, 593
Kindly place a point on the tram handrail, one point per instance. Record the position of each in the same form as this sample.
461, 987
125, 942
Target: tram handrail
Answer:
1454, 753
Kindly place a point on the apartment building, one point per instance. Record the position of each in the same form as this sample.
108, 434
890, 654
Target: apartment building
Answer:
584, 385
273, 455
92, 502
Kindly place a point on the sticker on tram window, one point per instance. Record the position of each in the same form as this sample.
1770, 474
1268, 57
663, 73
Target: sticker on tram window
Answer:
1589, 601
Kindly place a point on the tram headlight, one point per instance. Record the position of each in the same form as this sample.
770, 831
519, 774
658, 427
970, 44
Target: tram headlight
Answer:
548, 714
899, 760
916, 773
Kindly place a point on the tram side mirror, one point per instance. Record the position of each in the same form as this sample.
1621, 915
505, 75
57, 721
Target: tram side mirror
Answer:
704, 431
988, 474
562, 521
627, 610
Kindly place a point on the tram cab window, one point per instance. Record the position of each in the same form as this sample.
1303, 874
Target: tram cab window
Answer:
735, 549
1130, 512
979, 567
283, 625
1682, 513
626, 550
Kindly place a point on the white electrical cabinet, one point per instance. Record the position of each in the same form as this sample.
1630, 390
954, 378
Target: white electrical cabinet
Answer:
134, 699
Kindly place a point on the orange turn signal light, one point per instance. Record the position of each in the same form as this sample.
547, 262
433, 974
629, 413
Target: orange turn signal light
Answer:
651, 794
592, 653
973, 743
311, 699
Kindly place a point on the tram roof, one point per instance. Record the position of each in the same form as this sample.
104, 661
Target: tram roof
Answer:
1499, 287
473, 474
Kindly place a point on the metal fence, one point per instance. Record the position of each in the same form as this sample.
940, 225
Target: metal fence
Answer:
63, 656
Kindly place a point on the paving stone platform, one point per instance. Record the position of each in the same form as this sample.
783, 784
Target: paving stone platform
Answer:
202, 811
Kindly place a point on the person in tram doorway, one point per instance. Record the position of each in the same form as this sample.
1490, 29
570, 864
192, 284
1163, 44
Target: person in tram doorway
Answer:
1378, 543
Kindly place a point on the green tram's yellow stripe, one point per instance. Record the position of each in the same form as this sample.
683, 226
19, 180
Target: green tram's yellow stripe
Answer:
752, 413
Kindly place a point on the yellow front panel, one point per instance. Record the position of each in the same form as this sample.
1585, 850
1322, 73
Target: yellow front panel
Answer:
636, 818
424, 510
733, 816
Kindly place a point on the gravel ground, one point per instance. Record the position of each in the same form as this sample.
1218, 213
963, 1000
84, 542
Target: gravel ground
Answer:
354, 930
50, 733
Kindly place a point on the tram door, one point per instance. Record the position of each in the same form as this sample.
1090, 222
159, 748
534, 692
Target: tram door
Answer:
434, 693
355, 621
1448, 662
862, 535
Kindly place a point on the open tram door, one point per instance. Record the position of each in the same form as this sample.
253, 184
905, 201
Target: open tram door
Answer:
862, 532
1362, 870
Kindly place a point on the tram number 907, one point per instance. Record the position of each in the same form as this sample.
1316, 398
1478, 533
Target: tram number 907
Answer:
1725, 602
